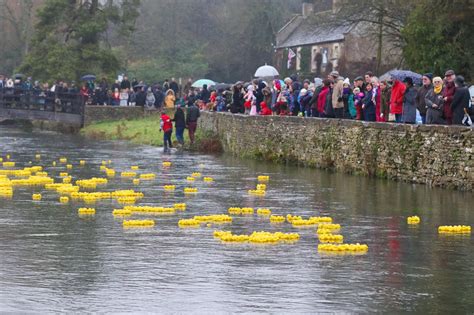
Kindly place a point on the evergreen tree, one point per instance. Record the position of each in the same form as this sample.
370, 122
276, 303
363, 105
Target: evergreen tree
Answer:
439, 36
70, 39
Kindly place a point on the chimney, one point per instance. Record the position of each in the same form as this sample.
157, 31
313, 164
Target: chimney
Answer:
308, 8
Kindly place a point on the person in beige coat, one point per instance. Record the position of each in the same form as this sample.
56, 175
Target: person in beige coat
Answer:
337, 101
170, 99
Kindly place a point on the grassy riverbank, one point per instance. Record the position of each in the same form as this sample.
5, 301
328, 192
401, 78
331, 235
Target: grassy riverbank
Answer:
146, 131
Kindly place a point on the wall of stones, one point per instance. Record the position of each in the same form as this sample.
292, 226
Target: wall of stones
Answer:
433, 155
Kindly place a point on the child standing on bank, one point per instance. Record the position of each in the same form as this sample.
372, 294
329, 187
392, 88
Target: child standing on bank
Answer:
167, 127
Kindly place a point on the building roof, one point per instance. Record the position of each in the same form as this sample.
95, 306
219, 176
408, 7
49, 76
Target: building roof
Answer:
307, 32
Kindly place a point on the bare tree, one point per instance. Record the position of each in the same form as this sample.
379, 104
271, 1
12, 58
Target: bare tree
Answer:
384, 20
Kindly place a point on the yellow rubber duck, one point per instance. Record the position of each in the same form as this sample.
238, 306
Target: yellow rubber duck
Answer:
413, 220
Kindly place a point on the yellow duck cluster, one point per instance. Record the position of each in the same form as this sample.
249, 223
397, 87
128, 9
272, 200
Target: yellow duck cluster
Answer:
138, 223
454, 229
239, 211
413, 220
352, 248
86, 211
257, 237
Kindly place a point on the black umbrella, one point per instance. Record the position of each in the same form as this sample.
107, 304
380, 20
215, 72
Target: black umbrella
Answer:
88, 77
19, 76
222, 86
139, 86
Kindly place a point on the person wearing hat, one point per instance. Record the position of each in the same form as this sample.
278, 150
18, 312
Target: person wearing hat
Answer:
448, 95
461, 100
421, 95
409, 103
337, 93
434, 103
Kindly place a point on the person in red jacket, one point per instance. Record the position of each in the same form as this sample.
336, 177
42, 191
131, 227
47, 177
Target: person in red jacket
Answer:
167, 128
265, 111
448, 95
396, 100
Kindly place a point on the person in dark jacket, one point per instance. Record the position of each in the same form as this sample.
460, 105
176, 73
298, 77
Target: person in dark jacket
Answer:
175, 87
140, 99
125, 84
179, 123
237, 99
421, 95
448, 94
259, 94
409, 105
434, 103
461, 100
191, 121
368, 104
159, 97
205, 94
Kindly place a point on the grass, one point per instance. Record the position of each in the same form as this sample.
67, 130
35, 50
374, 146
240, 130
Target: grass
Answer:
146, 131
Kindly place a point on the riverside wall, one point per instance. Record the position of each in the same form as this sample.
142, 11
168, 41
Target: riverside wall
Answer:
427, 154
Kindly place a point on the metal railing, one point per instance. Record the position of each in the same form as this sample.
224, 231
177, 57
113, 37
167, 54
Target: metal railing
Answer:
39, 100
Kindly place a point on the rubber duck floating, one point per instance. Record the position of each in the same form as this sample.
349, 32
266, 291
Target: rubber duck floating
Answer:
413, 220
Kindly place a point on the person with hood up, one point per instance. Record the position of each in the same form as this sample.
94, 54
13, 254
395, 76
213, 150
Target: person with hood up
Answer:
421, 95
167, 127
303, 99
179, 124
396, 100
249, 98
170, 99
409, 103
461, 100
150, 99
435, 102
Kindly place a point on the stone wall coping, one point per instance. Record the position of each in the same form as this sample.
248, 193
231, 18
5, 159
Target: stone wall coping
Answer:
446, 129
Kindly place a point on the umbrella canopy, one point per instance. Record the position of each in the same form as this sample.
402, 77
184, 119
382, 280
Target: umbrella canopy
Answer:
266, 71
402, 74
88, 77
222, 86
200, 83
19, 76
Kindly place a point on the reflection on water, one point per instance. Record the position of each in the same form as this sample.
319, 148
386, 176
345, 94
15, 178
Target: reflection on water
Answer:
51, 260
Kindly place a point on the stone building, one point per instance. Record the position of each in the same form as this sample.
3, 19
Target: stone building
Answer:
321, 49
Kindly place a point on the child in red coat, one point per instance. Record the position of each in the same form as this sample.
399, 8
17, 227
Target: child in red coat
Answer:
265, 111
167, 127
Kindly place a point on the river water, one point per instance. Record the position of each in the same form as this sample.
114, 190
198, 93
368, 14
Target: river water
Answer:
53, 261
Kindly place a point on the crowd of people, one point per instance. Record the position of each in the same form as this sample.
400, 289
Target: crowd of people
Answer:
436, 101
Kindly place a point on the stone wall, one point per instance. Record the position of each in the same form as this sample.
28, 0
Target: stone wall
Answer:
434, 155
103, 113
